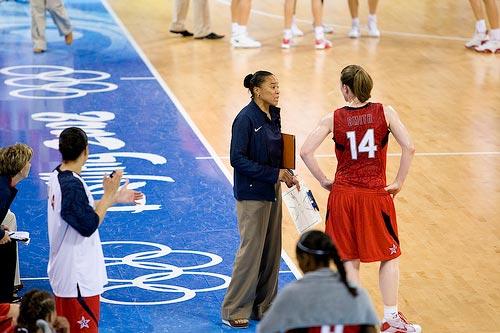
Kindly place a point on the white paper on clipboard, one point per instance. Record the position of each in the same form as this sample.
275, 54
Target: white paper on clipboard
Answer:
300, 206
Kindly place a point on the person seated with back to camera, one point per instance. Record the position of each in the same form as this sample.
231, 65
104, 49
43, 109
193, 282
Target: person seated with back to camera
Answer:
323, 300
37, 314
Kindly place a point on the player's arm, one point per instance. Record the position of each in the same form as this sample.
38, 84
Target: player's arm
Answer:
313, 141
407, 148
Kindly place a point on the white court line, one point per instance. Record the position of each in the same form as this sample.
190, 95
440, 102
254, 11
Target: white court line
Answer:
137, 78
416, 154
348, 28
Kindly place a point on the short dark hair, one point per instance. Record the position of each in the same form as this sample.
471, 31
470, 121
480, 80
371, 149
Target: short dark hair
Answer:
72, 142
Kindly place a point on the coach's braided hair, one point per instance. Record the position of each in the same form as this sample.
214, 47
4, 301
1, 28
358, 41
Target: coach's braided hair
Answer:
320, 247
35, 304
255, 80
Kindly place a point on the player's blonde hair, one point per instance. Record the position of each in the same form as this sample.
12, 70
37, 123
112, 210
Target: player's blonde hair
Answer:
360, 82
14, 158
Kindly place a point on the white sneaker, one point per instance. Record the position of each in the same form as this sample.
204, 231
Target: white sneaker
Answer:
491, 46
243, 41
322, 44
372, 29
477, 40
399, 325
327, 29
355, 33
296, 31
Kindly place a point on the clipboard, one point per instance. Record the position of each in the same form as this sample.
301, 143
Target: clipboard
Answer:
288, 151
302, 207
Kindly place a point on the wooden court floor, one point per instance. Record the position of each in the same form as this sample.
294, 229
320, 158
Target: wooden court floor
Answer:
447, 96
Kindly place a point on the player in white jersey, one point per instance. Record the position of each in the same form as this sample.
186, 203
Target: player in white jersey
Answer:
76, 269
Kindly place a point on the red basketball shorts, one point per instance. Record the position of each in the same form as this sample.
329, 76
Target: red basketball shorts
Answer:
82, 317
362, 224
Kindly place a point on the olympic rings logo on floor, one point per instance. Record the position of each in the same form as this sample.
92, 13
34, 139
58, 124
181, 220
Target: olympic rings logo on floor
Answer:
155, 282
55, 82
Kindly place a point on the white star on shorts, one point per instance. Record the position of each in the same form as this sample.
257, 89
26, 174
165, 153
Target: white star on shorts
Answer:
84, 323
393, 249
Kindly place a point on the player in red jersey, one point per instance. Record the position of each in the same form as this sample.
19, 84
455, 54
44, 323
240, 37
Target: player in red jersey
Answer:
361, 218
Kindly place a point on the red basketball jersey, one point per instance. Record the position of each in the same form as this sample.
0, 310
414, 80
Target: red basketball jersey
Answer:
361, 136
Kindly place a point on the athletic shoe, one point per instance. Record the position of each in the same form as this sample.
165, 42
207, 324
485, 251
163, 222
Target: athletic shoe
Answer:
491, 46
243, 41
399, 325
477, 40
327, 29
296, 31
286, 43
322, 44
355, 33
372, 29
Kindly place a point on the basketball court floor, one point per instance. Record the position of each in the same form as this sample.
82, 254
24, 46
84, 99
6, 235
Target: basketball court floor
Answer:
160, 107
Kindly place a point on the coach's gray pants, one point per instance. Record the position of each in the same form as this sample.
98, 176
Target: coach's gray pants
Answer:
254, 282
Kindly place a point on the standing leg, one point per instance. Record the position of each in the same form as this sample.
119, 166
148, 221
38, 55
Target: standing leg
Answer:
179, 15
481, 33
317, 11
267, 287
288, 31
492, 45
60, 18
38, 25
201, 18
295, 29
354, 10
372, 19
11, 222
352, 270
389, 285
253, 219
240, 38
389, 282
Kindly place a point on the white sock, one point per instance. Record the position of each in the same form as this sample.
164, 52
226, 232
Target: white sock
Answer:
287, 34
319, 31
294, 23
242, 29
495, 34
390, 312
355, 22
371, 18
481, 26
234, 28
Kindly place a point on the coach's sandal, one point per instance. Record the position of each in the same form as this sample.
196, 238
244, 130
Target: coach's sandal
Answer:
236, 323
38, 50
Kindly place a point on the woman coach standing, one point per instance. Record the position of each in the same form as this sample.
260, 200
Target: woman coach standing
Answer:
256, 150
